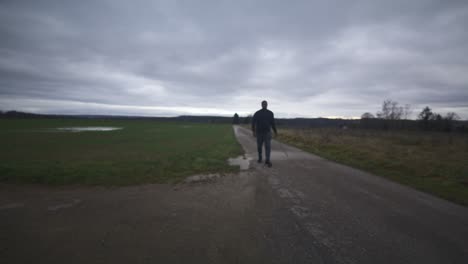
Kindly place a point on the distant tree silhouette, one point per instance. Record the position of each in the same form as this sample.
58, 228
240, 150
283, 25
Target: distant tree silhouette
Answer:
390, 115
449, 121
393, 116
426, 114
367, 120
425, 117
452, 116
235, 119
367, 115
407, 111
390, 110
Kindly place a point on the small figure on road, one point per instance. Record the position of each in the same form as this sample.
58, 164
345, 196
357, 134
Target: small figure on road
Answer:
262, 123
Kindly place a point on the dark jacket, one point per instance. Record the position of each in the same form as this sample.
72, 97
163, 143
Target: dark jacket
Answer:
262, 121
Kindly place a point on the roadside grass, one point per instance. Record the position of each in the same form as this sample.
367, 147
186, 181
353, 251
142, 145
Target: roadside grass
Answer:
433, 162
144, 151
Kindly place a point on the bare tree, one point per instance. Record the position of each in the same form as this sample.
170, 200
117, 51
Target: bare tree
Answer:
407, 111
436, 117
449, 121
452, 116
390, 110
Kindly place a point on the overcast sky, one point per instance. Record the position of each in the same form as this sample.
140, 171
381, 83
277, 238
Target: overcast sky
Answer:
165, 58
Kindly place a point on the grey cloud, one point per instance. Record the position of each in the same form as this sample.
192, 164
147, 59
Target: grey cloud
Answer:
308, 58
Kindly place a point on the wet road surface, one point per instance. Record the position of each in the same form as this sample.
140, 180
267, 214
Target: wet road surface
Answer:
302, 210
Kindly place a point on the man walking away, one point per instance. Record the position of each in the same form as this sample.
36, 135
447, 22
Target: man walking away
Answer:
262, 123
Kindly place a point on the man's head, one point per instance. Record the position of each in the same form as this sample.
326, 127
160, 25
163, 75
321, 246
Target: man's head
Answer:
264, 104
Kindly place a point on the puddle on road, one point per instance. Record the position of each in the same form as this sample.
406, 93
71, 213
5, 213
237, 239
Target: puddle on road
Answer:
202, 178
84, 129
242, 161
11, 206
63, 205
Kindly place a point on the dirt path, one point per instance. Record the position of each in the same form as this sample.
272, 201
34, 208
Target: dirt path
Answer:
303, 210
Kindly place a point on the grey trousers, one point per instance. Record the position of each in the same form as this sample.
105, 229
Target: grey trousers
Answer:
264, 138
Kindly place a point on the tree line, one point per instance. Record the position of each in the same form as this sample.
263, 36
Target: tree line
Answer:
238, 120
391, 116
395, 116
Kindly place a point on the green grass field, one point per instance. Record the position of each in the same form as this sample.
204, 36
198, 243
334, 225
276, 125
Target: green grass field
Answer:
429, 161
144, 151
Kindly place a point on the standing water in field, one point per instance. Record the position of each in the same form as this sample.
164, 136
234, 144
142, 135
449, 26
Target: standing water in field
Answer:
83, 129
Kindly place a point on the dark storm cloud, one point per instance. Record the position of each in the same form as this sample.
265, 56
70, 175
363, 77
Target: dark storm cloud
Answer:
308, 58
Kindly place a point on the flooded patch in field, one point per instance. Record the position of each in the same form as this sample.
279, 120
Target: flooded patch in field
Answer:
84, 129
242, 161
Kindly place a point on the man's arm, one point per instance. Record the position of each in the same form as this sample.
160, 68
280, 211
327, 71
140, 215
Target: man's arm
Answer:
254, 121
273, 125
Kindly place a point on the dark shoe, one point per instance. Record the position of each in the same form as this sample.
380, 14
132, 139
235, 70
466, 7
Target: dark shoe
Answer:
259, 160
268, 163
